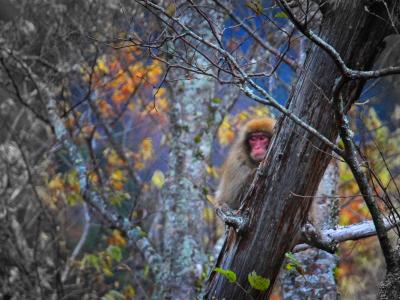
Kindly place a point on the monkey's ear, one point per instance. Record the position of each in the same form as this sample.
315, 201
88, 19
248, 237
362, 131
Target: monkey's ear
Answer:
260, 124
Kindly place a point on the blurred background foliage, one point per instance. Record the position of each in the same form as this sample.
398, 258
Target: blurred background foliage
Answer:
116, 107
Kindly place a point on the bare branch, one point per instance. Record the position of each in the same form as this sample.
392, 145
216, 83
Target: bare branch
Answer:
134, 233
350, 156
247, 84
81, 242
257, 38
334, 54
345, 233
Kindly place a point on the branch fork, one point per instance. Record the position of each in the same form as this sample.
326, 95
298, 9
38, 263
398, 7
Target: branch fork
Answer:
232, 218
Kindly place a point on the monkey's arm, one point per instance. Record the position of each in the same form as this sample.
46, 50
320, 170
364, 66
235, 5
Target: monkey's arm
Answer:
233, 182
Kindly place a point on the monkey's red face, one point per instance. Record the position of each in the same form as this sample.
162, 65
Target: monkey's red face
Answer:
258, 142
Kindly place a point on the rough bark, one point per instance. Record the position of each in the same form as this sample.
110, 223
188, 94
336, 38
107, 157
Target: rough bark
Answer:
318, 280
296, 160
389, 288
194, 120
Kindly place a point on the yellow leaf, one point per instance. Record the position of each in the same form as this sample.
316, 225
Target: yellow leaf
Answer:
128, 87
212, 171
243, 116
171, 9
116, 238
93, 178
138, 165
208, 214
260, 111
117, 175
117, 179
118, 97
135, 68
256, 6
146, 149
118, 185
73, 181
161, 92
70, 122
225, 133
162, 104
73, 198
211, 199
107, 271
153, 74
129, 291
113, 158
158, 179
56, 183
104, 108
384, 176
101, 66
50, 201
131, 106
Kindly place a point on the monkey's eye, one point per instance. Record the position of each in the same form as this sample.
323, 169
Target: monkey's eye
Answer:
254, 138
258, 137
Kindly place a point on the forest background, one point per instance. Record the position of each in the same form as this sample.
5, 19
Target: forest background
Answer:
116, 117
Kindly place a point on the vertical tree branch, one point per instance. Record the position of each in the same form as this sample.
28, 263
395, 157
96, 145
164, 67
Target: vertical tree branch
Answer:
351, 157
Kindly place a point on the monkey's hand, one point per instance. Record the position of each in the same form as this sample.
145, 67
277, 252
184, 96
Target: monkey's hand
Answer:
233, 219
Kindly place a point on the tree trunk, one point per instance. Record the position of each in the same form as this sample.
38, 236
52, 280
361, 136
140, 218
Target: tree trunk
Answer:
318, 280
297, 160
194, 120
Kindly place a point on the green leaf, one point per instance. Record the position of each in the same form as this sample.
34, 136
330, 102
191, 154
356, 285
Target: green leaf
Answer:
93, 261
256, 6
118, 197
341, 144
146, 271
292, 259
228, 274
171, 9
258, 282
113, 295
216, 100
197, 139
158, 179
115, 252
290, 256
73, 198
293, 263
281, 14
289, 267
107, 270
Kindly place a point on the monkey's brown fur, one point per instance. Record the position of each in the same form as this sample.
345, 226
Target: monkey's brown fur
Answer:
239, 165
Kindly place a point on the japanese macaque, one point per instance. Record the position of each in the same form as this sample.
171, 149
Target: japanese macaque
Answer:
246, 154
